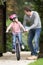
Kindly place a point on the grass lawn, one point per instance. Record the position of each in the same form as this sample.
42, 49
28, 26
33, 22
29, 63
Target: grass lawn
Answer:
37, 62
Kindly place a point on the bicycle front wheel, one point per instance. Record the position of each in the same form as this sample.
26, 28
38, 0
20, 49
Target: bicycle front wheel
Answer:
18, 51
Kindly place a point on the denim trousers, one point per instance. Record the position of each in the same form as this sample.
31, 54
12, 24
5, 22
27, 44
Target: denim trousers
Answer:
34, 34
14, 39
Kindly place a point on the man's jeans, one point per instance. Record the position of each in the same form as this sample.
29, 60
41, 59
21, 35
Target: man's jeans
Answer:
34, 34
14, 39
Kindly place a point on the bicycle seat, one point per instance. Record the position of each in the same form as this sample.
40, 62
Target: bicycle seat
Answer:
16, 35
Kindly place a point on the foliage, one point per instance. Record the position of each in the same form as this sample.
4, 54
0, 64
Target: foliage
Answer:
8, 22
18, 6
8, 42
39, 6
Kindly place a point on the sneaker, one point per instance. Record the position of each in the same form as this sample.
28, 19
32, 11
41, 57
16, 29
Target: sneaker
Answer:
36, 54
13, 51
23, 47
38, 51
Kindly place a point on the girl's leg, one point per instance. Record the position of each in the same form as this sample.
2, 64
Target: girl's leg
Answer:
13, 40
20, 38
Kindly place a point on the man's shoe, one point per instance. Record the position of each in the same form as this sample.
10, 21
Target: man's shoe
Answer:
36, 54
32, 57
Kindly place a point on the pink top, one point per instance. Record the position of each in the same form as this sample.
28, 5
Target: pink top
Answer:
15, 27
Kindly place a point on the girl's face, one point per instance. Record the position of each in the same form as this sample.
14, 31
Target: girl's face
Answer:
15, 20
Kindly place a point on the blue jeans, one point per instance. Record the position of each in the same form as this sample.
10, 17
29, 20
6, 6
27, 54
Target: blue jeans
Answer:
14, 39
34, 34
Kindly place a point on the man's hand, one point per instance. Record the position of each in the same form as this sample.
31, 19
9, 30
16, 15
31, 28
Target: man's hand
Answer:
27, 28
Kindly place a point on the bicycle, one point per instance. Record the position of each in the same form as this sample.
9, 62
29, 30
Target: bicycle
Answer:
17, 46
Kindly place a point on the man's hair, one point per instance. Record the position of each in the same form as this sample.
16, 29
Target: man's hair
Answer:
27, 9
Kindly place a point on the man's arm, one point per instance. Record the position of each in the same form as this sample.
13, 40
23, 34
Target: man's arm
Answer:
36, 20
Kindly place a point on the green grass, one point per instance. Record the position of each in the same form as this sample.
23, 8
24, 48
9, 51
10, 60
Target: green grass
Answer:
37, 62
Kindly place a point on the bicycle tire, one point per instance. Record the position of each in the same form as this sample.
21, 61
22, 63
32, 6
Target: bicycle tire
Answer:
17, 51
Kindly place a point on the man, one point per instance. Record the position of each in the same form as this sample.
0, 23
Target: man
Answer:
33, 18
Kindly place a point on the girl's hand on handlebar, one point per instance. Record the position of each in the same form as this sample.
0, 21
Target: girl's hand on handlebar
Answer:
26, 30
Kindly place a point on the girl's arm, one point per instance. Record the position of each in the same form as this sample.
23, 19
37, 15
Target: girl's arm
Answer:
9, 27
21, 26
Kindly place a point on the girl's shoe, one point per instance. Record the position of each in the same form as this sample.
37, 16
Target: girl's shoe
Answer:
13, 51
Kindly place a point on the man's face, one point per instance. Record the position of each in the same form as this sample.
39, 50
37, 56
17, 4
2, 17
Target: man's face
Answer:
27, 13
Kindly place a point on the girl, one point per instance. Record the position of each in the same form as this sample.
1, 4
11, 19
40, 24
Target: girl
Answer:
15, 27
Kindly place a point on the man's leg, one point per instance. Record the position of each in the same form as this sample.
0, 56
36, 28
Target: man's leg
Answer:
36, 39
30, 38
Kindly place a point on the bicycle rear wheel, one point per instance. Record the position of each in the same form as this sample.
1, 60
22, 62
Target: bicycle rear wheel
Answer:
18, 51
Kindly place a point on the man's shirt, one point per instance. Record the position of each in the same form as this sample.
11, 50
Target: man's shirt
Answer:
34, 20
